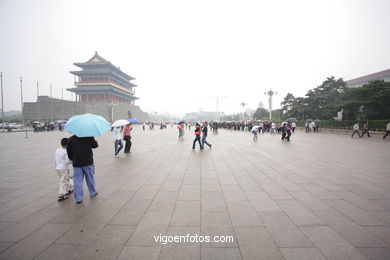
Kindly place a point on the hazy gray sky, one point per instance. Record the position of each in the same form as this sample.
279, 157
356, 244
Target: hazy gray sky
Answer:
182, 52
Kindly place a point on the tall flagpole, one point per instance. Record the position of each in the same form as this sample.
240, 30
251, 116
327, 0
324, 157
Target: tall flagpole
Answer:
38, 98
51, 103
63, 109
21, 99
2, 100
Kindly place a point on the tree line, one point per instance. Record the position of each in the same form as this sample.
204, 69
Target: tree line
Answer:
369, 102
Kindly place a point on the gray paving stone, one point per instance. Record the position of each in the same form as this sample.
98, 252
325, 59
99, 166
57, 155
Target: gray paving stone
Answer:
152, 224
360, 216
140, 253
299, 214
25, 227
262, 202
349, 230
242, 214
5, 245
27, 210
146, 192
60, 252
283, 231
249, 185
331, 244
319, 192
108, 244
276, 192
255, 243
220, 254
131, 213
210, 185
171, 185
376, 253
189, 192
213, 201
34, 244
382, 232
179, 252
186, 213
310, 202
302, 254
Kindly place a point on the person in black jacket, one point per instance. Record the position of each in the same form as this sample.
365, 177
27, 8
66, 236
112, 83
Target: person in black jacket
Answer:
79, 151
204, 136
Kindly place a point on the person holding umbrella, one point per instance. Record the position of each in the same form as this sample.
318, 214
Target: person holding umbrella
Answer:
127, 137
117, 140
79, 150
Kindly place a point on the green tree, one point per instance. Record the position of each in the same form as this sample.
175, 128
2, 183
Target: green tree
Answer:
261, 113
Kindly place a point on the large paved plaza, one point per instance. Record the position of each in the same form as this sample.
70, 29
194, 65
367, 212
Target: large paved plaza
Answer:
320, 196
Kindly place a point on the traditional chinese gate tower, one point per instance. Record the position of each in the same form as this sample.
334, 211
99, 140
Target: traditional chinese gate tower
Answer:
101, 81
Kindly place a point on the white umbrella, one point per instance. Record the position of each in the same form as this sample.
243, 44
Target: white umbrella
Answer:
120, 122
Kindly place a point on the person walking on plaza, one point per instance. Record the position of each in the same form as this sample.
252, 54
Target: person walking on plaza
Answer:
254, 132
143, 126
387, 131
197, 137
180, 127
283, 129
356, 129
366, 129
288, 130
293, 125
312, 126
307, 129
117, 140
204, 135
127, 137
273, 128
79, 151
62, 166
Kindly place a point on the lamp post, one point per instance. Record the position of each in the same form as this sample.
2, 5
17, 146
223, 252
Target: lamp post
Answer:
38, 99
270, 93
51, 103
63, 108
243, 111
2, 100
21, 99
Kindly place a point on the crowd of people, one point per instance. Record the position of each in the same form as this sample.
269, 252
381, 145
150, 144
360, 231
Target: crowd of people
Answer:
77, 152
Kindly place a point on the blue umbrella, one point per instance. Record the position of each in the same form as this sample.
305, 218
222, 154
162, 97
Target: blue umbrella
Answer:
87, 125
131, 120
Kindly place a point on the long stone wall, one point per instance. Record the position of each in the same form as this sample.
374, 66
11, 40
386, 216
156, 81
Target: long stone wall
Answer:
47, 109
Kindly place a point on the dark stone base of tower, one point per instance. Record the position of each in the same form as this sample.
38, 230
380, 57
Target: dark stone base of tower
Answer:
54, 109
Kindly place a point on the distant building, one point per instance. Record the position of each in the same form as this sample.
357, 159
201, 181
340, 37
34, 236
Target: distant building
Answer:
203, 116
101, 88
99, 80
358, 82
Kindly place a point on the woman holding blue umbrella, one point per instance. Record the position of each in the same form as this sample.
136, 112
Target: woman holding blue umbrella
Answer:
79, 149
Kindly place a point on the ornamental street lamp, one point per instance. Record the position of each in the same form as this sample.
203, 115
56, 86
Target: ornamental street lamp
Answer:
270, 93
243, 110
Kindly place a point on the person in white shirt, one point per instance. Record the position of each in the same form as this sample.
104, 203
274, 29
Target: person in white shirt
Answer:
387, 130
273, 128
356, 129
117, 140
62, 166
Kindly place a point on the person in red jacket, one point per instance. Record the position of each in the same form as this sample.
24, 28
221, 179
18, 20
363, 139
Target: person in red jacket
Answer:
197, 137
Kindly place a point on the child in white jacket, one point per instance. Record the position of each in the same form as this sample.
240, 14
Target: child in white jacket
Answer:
62, 165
